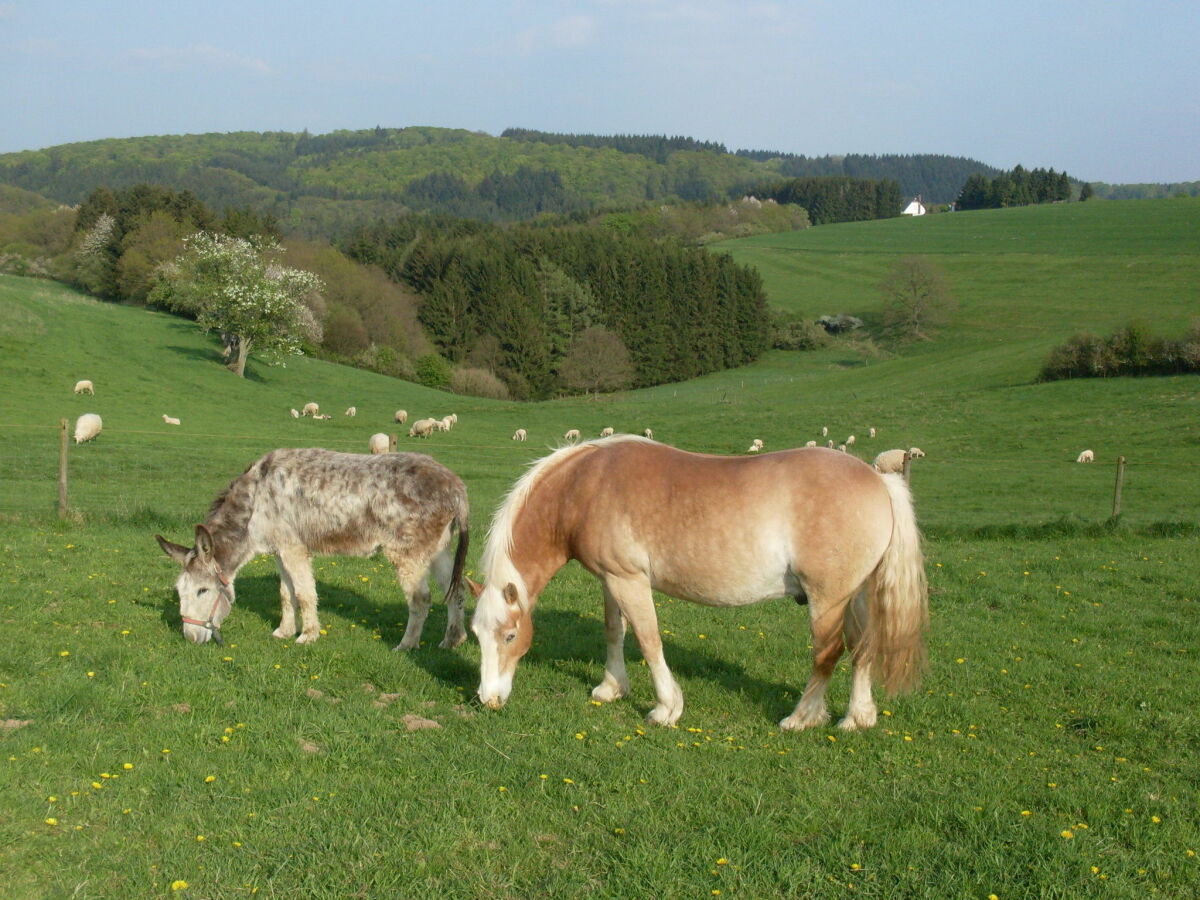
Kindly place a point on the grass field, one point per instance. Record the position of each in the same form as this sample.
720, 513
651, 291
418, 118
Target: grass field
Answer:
1051, 751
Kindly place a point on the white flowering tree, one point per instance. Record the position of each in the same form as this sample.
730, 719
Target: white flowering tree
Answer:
236, 288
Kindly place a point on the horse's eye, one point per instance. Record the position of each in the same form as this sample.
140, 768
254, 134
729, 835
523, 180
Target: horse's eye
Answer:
201, 591
509, 638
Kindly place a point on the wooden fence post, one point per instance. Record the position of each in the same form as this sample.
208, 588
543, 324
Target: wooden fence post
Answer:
63, 444
1118, 487
907, 466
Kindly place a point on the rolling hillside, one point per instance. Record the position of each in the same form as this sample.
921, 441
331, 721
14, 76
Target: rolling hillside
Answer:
323, 184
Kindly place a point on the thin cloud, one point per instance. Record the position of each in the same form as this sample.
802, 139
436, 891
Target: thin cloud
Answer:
204, 55
572, 31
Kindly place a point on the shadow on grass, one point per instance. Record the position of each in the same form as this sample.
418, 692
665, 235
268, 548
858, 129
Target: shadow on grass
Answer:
212, 356
565, 641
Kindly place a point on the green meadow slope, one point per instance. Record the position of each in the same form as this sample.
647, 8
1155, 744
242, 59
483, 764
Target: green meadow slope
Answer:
1049, 753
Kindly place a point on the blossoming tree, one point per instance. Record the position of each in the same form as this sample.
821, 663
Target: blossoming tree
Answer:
236, 288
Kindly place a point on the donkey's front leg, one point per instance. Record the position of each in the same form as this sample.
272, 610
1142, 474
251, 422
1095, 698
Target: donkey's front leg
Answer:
287, 603
632, 595
616, 682
298, 567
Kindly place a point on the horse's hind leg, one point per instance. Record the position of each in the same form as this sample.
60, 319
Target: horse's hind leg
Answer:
442, 568
632, 596
828, 646
287, 602
861, 711
616, 683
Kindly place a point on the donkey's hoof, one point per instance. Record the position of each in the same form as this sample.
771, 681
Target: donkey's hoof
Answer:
453, 639
405, 645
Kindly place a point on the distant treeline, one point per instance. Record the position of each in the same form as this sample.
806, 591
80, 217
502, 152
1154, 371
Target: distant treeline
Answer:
837, 199
1145, 191
1020, 187
1131, 350
935, 178
654, 146
513, 300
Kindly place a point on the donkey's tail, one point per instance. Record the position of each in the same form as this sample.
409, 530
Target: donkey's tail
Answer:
462, 523
898, 599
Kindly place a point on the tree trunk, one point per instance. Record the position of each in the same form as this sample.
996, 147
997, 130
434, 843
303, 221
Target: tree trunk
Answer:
238, 364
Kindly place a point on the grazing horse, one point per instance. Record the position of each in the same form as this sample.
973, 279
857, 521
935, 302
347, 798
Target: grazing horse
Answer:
826, 529
294, 503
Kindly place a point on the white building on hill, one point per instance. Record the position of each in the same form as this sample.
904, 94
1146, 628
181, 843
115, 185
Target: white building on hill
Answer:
916, 208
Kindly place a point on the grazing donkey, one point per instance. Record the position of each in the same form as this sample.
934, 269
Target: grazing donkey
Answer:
295, 503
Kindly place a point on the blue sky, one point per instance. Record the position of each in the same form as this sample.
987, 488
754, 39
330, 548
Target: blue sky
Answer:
1109, 91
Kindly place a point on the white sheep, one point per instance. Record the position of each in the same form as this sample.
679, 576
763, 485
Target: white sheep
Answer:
755, 445
295, 413
893, 460
87, 427
453, 417
824, 431
402, 416
352, 411
829, 443
648, 433
447, 423
85, 387
382, 443
520, 434
170, 420
422, 428
1086, 456
810, 444
310, 409
572, 435
606, 432
323, 416
850, 441
842, 447
871, 432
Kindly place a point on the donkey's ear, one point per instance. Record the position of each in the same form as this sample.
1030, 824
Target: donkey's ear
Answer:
204, 543
177, 552
510, 595
474, 587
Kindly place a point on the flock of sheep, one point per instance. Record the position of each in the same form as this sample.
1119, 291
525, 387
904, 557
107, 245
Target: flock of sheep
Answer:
89, 425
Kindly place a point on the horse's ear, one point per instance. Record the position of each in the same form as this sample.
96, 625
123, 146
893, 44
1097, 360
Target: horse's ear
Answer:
204, 543
177, 552
510, 595
474, 587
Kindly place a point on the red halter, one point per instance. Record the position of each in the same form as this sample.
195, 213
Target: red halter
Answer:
222, 592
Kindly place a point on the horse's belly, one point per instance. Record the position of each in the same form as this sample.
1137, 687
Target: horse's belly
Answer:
729, 586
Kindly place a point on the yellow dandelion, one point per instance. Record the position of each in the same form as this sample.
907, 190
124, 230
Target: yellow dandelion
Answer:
722, 861
52, 821
1155, 819
127, 766
1067, 834
51, 799
568, 781
200, 839
993, 897
209, 779
179, 885
65, 653
503, 789
1026, 812
618, 831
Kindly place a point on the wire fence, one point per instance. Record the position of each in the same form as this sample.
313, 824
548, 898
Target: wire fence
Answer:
174, 475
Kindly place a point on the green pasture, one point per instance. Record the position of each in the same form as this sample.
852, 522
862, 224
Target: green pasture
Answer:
1051, 751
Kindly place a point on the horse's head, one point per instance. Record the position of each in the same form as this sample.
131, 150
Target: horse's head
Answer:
505, 631
205, 592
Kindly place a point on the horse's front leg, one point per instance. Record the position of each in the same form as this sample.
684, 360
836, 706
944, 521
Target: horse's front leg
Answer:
633, 597
616, 683
287, 603
297, 565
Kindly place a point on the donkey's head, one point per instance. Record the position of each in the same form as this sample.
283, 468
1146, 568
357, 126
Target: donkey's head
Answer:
205, 592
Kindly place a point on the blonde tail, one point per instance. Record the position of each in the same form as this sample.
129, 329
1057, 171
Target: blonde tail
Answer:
898, 600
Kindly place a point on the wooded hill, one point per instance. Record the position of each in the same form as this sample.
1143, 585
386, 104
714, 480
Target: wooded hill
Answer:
328, 184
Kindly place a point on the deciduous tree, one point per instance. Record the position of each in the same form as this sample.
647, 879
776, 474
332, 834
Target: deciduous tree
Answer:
916, 298
235, 287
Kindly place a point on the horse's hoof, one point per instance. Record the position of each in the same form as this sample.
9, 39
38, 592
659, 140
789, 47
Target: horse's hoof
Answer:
283, 635
608, 691
308, 637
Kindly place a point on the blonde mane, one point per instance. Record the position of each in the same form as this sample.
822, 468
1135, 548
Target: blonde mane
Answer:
496, 561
